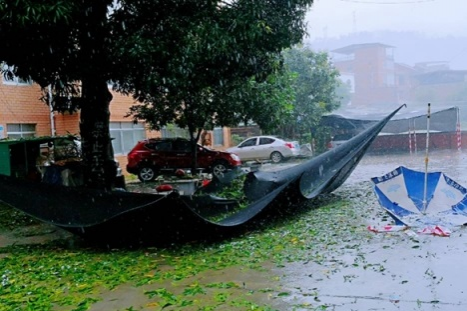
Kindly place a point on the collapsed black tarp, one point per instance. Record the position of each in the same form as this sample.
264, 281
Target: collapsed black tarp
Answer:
125, 217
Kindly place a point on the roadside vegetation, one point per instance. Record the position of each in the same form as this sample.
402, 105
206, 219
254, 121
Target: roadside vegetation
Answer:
11, 218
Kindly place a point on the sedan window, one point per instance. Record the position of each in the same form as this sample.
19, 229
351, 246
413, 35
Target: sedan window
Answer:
266, 140
248, 143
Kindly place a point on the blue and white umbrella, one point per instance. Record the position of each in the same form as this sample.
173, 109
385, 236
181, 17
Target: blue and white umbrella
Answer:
418, 198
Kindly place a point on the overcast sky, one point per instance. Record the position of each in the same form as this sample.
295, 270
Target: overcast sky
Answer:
333, 18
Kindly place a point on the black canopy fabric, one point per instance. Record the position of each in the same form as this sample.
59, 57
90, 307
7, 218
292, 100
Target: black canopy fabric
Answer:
126, 217
440, 121
444, 120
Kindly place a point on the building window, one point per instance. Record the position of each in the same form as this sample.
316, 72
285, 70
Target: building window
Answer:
402, 80
389, 64
218, 136
389, 53
15, 131
390, 80
125, 136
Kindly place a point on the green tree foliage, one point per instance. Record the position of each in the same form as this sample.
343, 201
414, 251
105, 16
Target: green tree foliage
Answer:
343, 90
267, 102
228, 68
315, 88
65, 45
178, 56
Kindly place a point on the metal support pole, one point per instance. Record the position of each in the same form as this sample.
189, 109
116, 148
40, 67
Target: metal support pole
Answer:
426, 159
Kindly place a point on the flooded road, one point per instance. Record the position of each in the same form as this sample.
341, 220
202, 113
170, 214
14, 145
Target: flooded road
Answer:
385, 271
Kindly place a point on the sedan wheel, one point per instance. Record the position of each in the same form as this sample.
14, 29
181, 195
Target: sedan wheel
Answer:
146, 174
219, 169
276, 157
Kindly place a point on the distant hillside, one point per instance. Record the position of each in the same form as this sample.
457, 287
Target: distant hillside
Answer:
410, 47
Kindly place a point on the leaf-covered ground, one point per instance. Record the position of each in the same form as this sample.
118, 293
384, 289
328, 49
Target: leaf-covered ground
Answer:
241, 273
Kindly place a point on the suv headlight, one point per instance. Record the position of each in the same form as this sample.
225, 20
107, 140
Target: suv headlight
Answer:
235, 157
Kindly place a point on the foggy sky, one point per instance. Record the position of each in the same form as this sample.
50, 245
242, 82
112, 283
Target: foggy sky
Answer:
334, 18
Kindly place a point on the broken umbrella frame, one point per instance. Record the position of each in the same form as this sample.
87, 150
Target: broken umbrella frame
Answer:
419, 199
422, 199
120, 217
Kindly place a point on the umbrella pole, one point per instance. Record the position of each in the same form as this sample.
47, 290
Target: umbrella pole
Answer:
458, 131
426, 159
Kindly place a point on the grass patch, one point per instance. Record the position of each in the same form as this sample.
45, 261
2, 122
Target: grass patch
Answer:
11, 218
57, 277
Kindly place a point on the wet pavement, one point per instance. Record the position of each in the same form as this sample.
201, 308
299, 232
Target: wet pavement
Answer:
361, 271
396, 273
386, 271
451, 162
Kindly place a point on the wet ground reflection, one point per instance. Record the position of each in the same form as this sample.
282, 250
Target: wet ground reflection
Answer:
345, 266
387, 271
451, 162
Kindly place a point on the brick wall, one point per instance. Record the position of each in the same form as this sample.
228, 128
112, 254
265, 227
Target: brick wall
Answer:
372, 69
21, 104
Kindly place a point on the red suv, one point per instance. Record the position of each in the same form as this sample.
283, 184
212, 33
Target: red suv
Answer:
152, 156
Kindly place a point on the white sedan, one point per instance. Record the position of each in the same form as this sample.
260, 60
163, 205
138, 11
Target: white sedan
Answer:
266, 148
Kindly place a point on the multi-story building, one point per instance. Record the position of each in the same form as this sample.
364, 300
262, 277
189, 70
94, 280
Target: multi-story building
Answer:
378, 82
373, 71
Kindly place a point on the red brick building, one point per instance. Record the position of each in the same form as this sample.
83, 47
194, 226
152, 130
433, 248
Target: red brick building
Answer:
379, 83
373, 70
23, 114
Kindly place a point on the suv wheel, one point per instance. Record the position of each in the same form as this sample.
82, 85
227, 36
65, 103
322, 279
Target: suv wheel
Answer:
147, 173
276, 157
219, 169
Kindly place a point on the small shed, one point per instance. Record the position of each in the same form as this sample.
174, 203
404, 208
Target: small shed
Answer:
18, 157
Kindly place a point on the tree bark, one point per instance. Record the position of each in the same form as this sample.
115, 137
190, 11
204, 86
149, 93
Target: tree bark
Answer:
194, 148
99, 167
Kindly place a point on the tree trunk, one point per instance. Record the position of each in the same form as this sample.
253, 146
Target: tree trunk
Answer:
99, 164
194, 148
99, 167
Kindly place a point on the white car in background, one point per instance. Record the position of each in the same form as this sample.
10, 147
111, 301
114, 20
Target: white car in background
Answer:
266, 148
